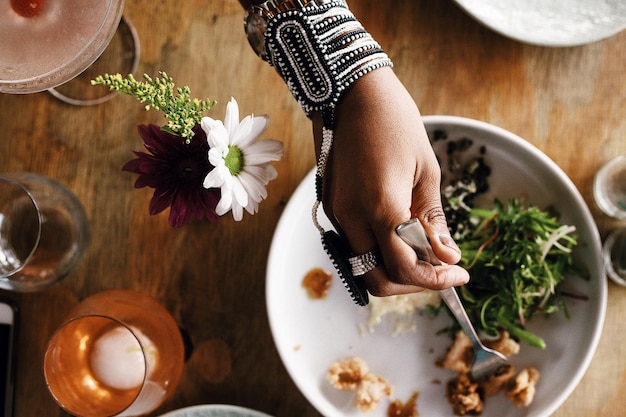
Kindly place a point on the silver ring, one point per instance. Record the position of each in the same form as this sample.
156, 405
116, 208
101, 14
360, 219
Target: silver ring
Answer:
362, 264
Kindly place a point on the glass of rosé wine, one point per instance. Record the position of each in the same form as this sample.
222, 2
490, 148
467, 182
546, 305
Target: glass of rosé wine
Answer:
119, 353
48, 43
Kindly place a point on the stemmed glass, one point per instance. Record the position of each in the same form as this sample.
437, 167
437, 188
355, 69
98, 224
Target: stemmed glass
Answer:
46, 43
119, 353
44, 232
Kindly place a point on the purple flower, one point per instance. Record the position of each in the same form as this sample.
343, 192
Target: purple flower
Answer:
176, 171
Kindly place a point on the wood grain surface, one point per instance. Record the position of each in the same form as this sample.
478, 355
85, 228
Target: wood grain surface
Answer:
569, 102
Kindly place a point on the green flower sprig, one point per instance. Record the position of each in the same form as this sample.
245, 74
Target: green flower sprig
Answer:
182, 112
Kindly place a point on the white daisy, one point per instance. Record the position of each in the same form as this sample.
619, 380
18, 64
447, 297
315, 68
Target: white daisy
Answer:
242, 164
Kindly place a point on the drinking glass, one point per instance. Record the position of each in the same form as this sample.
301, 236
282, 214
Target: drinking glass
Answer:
609, 188
614, 254
44, 232
46, 43
119, 353
120, 56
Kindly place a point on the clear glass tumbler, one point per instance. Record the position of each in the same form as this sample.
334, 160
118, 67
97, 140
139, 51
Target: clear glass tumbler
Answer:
614, 254
44, 232
119, 353
609, 188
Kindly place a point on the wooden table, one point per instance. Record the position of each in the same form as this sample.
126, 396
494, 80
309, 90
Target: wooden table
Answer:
570, 102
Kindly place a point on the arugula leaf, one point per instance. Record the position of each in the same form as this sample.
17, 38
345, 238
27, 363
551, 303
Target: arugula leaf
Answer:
516, 256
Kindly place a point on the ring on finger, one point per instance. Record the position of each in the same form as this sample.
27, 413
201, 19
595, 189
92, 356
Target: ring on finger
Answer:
364, 263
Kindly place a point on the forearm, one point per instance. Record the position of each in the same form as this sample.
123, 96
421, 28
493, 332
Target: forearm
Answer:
381, 171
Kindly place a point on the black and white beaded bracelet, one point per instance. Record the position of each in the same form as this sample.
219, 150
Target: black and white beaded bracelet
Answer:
320, 51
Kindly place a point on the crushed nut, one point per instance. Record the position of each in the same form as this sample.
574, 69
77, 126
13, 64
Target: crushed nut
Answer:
465, 396
370, 391
459, 356
521, 390
496, 382
347, 374
503, 344
353, 374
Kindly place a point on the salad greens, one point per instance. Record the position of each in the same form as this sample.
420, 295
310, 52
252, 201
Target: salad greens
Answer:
516, 256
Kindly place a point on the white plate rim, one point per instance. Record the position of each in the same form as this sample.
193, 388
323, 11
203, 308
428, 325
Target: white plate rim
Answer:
245, 412
541, 29
304, 190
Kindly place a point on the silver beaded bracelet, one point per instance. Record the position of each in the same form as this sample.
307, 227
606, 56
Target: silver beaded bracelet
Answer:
320, 51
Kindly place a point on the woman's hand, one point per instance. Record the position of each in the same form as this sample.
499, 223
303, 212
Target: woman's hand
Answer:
382, 171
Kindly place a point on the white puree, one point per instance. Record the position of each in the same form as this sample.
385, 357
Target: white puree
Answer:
401, 308
117, 359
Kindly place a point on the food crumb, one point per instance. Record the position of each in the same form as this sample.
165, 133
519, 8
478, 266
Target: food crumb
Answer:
353, 375
521, 390
317, 282
402, 309
459, 356
500, 378
347, 374
465, 396
370, 392
399, 409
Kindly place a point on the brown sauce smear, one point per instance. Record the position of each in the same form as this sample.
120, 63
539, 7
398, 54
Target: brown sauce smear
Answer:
317, 283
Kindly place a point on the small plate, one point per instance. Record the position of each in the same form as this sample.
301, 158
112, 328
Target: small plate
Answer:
215, 410
550, 22
312, 334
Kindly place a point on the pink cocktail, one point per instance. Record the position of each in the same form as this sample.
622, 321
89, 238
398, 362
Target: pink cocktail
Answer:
45, 43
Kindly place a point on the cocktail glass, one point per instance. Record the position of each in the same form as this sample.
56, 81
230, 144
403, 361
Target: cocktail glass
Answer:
46, 43
119, 353
44, 232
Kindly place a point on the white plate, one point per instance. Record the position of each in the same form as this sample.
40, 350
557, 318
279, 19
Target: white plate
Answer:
214, 410
312, 334
550, 22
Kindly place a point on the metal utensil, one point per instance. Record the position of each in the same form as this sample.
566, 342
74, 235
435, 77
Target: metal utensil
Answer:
486, 361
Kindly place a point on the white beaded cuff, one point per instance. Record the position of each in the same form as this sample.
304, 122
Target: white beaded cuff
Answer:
320, 51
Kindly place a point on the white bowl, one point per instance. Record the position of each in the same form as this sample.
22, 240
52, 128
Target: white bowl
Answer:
312, 334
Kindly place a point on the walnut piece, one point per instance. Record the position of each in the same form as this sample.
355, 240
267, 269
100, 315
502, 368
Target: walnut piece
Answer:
347, 374
465, 396
459, 356
408, 409
504, 344
353, 375
498, 381
370, 392
521, 390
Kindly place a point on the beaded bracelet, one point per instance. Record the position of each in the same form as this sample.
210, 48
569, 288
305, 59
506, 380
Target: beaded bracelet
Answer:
320, 51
